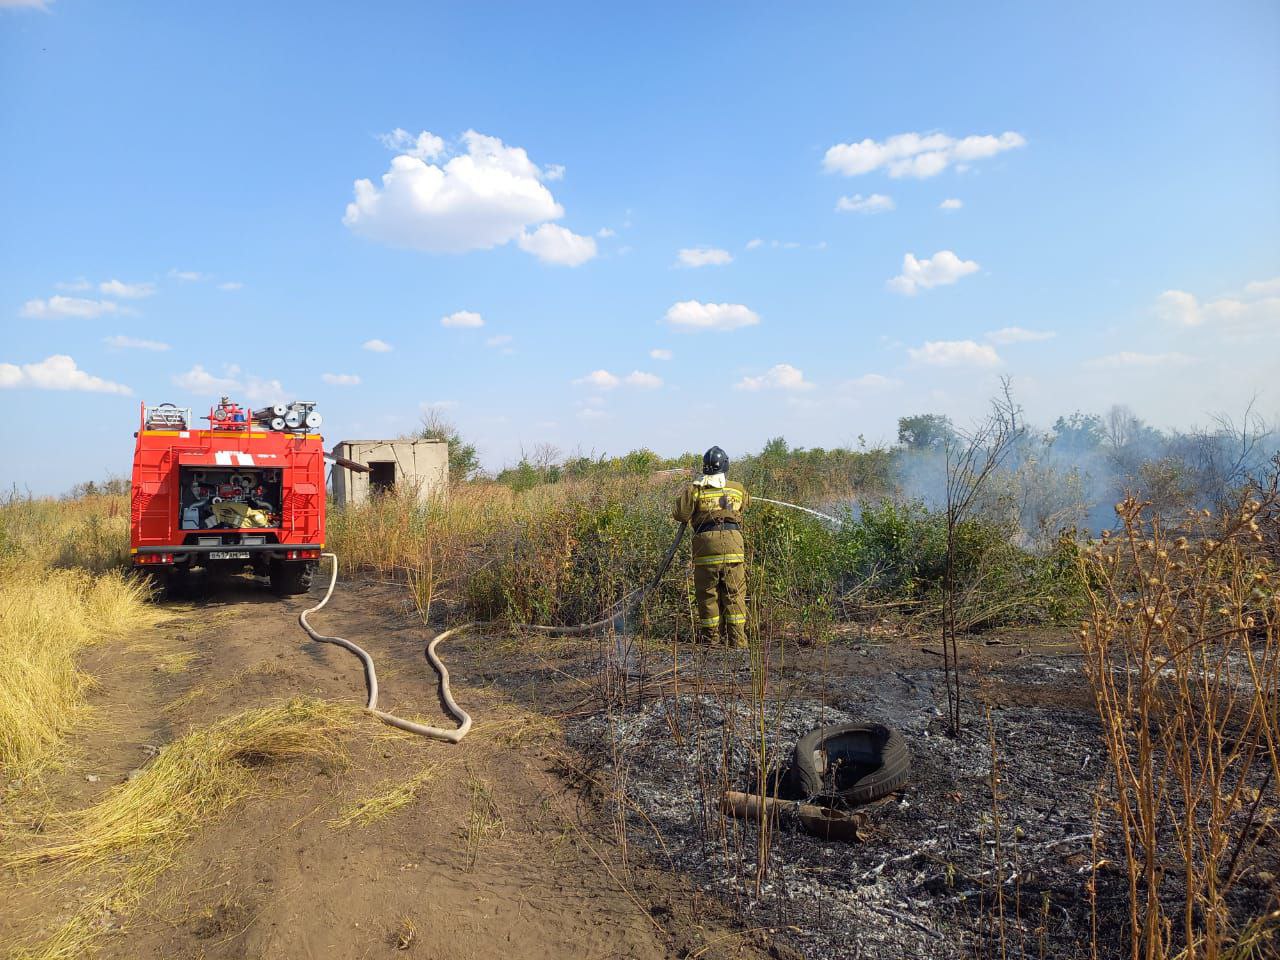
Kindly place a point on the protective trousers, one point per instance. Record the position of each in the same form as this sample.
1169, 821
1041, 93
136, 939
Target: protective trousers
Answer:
721, 591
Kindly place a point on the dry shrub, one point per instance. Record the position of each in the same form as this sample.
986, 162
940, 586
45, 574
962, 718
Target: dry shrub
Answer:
47, 617
1182, 650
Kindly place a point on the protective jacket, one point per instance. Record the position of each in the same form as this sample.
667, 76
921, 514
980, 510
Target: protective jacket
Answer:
713, 507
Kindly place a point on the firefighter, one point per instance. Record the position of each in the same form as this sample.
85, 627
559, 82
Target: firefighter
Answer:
713, 506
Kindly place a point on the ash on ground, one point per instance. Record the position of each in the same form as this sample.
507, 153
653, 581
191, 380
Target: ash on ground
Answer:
944, 869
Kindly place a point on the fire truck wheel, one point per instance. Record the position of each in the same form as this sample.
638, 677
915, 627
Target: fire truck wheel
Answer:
291, 579
176, 583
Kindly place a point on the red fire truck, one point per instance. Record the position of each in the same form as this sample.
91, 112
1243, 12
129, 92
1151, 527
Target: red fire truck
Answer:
246, 491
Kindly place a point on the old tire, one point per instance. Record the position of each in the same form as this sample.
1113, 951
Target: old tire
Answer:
853, 762
291, 579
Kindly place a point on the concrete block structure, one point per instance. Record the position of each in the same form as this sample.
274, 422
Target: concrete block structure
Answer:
394, 465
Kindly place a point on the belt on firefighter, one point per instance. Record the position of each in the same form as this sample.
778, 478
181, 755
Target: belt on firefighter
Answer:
711, 525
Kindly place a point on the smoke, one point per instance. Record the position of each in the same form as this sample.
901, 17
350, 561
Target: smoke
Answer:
1072, 475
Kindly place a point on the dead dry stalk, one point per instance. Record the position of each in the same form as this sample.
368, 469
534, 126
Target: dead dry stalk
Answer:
1182, 650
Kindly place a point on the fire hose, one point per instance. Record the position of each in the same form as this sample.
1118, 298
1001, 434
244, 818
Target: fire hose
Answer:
618, 611
615, 614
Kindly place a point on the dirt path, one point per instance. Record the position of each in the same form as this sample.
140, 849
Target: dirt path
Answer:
494, 855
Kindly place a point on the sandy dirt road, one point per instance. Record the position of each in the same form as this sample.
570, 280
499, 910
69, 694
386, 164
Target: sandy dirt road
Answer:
496, 855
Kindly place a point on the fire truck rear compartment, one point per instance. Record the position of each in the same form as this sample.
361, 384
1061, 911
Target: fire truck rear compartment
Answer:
228, 498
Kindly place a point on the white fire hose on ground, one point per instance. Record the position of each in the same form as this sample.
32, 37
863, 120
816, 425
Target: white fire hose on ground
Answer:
616, 612
371, 676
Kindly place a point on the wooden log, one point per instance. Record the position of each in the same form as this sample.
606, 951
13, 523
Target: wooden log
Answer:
825, 823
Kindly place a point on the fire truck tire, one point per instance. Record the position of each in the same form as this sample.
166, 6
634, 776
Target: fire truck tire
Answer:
291, 579
176, 583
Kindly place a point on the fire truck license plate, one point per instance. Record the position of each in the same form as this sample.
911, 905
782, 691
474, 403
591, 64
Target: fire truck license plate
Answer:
228, 554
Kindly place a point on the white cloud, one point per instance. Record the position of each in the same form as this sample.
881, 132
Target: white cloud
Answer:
951, 203
1263, 288
781, 376
249, 387
1129, 359
230, 285
658, 353
59, 306
599, 379
915, 154
499, 340
604, 380
483, 198
200, 380
340, 379
122, 342
554, 171
871, 382
954, 353
58, 372
462, 318
377, 346
127, 291
425, 146
259, 391
703, 257
695, 315
1178, 306
188, 276
647, 381
77, 285
552, 243
605, 233
25, 4
943, 268
752, 244
876, 203
1257, 311
1019, 335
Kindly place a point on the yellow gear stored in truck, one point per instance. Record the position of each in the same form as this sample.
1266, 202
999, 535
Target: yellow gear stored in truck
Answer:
230, 513
713, 506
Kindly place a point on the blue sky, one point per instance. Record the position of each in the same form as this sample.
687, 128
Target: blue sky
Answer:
185, 176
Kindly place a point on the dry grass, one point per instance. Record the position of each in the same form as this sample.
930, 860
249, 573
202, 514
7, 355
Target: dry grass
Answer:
89, 533
138, 827
191, 780
47, 617
484, 819
393, 796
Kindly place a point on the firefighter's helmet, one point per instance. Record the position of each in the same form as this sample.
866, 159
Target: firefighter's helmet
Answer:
715, 460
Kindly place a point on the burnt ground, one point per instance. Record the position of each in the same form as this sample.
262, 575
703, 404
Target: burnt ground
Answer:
958, 864
923, 883
579, 819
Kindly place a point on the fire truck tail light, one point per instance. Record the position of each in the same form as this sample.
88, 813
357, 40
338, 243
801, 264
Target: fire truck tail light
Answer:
303, 555
154, 558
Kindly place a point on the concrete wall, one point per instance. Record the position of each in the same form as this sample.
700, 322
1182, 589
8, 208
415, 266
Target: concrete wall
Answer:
421, 465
